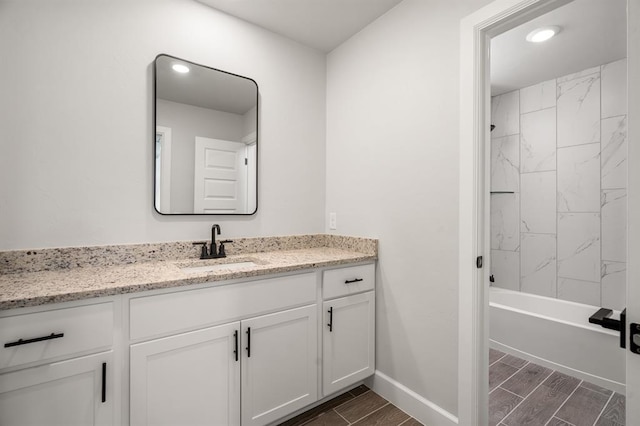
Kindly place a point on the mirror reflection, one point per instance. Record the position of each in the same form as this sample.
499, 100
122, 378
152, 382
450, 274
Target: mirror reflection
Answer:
206, 139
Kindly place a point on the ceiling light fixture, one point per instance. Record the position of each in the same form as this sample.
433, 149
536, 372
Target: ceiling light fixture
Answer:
182, 69
542, 34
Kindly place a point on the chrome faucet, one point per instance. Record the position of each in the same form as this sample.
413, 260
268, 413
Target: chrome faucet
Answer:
213, 252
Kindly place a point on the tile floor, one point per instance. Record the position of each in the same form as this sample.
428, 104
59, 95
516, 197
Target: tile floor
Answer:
525, 394
360, 406
521, 393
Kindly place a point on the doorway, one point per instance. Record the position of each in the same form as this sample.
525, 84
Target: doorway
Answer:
475, 208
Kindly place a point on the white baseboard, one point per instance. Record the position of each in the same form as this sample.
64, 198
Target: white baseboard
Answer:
410, 402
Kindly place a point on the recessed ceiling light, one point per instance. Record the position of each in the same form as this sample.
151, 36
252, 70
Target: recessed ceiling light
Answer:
542, 34
180, 68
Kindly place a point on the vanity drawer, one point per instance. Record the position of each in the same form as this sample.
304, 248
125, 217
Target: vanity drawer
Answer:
190, 309
350, 280
63, 332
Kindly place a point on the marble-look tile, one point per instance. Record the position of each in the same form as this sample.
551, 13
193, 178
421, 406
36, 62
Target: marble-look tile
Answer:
505, 163
614, 88
538, 141
614, 285
614, 152
538, 96
505, 114
614, 225
538, 264
505, 218
579, 74
579, 246
538, 202
505, 268
586, 292
579, 178
578, 108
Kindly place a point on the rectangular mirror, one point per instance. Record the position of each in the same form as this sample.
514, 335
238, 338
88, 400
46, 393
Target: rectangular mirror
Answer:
206, 140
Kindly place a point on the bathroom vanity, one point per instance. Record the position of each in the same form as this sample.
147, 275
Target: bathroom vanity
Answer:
159, 342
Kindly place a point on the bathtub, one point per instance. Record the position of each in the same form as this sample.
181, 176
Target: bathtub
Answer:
556, 334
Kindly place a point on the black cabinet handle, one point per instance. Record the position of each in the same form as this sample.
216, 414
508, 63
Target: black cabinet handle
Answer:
35, 339
104, 382
355, 280
248, 342
235, 336
330, 319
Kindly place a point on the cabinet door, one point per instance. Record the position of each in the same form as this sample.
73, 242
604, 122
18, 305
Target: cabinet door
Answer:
348, 341
189, 379
279, 364
69, 393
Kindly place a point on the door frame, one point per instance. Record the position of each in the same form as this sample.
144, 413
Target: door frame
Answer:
476, 30
165, 170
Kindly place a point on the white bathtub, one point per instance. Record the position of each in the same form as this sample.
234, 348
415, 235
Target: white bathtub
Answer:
556, 334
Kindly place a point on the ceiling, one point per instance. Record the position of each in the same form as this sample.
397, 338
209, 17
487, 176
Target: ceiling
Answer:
593, 33
204, 87
321, 24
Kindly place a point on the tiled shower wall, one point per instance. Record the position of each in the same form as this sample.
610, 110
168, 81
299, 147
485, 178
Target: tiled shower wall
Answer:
558, 182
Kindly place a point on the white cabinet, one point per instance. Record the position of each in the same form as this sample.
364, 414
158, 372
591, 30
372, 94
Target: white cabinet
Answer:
75, 392
194, 378
279, 368
263, 358
348, 336
189, 379
348, 353
46, 374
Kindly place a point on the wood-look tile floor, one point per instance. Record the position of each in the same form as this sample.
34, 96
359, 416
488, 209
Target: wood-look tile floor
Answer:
359, 407
525, 394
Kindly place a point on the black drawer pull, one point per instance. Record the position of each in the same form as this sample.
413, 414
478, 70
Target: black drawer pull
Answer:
355, 280
330, 319
36, 339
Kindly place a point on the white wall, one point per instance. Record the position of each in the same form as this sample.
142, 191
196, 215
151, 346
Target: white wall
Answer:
392, 173
76, 144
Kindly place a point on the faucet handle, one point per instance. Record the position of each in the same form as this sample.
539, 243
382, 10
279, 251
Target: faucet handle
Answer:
203, 251
221, 251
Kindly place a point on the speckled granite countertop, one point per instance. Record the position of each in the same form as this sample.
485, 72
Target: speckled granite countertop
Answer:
83, 278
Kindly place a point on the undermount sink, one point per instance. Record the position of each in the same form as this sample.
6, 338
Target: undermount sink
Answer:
195, 268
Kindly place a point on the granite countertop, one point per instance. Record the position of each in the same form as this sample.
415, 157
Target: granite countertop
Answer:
24, 288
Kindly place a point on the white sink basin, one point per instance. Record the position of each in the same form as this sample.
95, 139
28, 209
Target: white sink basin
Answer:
234, 266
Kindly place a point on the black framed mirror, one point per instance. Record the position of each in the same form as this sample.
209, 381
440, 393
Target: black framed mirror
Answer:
205, 141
